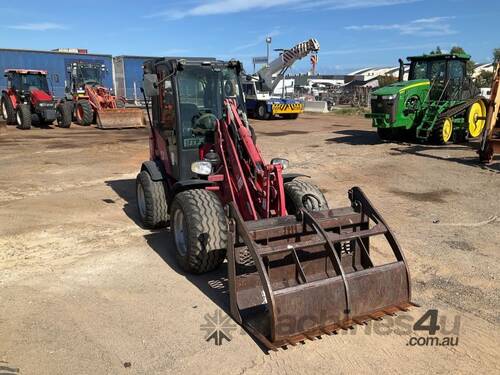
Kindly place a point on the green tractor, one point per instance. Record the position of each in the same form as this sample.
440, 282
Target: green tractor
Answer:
438, 103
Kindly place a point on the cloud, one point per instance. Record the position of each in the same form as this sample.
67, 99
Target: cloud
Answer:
259, 41
433, 26
216, 7
411, 47
43, 26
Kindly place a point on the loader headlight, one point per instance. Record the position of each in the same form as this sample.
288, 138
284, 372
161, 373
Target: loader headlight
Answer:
203, 168
388, 97
283, 162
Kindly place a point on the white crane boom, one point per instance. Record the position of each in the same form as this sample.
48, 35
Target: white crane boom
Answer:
284, 61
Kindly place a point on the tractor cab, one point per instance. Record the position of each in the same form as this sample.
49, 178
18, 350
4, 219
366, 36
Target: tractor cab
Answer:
85, 73
188, 100
28, 82
447, 74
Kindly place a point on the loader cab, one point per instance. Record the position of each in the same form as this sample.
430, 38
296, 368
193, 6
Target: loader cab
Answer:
189, 103
85, 73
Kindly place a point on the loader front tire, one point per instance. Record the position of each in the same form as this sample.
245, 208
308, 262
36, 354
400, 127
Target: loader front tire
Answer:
200, 230
151, 201
84, 113
302, 194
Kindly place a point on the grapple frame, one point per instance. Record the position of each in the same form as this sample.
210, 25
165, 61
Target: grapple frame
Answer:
297, 277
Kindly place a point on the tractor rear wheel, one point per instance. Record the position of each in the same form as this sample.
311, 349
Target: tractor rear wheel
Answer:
302, 194
151, 201
200, 230
262, 113
84, 113
475, 118
443, 131
23, 116
8, 112
64, 114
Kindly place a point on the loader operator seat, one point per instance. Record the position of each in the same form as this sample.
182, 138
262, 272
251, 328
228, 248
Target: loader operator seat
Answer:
189, 111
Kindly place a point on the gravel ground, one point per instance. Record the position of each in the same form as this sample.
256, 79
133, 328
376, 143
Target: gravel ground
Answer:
84, 289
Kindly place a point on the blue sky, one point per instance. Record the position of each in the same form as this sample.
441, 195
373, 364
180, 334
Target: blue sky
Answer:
352, 33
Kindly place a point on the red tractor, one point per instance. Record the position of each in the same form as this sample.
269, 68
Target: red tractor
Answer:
295, 268
94, 103
28, 100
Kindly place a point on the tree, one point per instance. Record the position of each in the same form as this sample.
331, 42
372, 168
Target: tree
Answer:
496, 55
385, 80
484, 79
437, 51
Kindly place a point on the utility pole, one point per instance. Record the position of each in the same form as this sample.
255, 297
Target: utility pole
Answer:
268, 42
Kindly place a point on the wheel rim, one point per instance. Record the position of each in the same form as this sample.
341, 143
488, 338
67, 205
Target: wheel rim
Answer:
476, 125
447, 129
180, 233
4, 110
141, 201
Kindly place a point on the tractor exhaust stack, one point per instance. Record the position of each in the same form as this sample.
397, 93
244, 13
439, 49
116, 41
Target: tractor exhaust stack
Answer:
295, 278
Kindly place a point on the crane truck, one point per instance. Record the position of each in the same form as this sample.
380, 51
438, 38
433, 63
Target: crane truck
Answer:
259, 89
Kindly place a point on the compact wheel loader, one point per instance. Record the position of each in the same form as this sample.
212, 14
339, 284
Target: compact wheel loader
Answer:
296, 268
94, 103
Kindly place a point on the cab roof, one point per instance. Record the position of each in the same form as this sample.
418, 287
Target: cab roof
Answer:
440, 56
26, 71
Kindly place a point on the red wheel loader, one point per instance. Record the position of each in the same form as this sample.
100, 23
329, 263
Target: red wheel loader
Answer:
28, 100
490, 139
94, 103
296, 269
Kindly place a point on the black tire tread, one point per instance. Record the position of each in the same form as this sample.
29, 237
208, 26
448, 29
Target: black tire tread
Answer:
437, 134
88, 113
11, 113
25, 110
294, 192
205, 217
65, 110
155, 201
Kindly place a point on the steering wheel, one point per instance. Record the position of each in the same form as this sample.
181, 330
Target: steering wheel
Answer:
204, 123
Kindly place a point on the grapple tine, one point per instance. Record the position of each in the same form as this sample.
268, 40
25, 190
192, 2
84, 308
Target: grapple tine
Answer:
312, 274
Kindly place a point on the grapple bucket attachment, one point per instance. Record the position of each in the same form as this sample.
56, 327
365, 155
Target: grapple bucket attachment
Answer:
297, 277
120, 118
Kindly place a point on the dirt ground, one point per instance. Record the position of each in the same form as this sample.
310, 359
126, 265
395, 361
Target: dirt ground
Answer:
85, 290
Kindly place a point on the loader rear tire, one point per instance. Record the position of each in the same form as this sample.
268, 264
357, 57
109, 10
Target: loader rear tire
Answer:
64, 114
84, 113
302, 194
8, 111
23, 116
200, 230
151, 201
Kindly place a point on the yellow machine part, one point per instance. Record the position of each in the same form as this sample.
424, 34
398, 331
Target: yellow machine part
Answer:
447, 129
120, 118
476, 118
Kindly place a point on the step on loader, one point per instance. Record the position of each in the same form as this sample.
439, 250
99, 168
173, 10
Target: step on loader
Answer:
94, 103
296, 269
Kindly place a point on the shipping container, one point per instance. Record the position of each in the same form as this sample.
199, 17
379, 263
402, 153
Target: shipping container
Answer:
55, 63
128, 75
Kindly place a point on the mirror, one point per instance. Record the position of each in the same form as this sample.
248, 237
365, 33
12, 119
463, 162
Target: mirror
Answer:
150, 84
